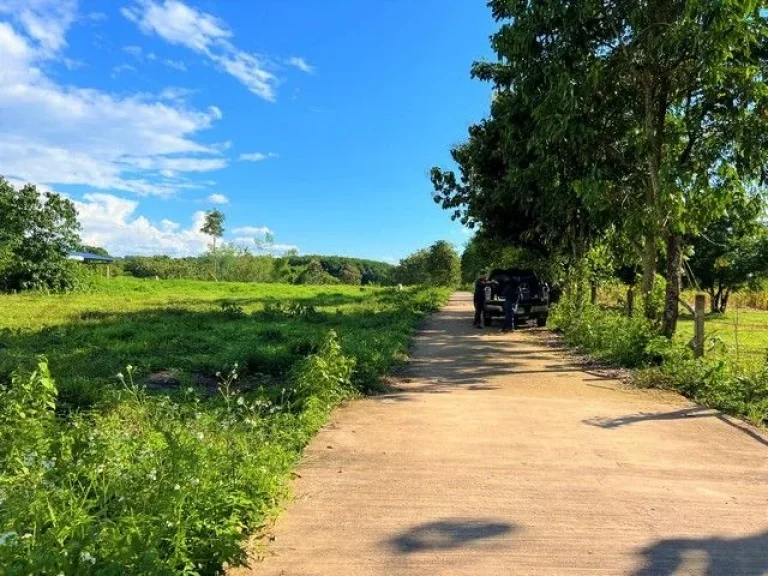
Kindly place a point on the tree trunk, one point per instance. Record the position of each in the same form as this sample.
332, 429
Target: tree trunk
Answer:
649, 274
215, 262
630, 301
724, 301
593, 294
674, 264
714, 300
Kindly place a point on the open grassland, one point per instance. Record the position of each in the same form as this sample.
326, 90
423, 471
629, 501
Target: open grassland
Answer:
741, 336
168, 467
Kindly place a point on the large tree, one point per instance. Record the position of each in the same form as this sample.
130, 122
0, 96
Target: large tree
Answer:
644, 118
731, 252
37, 231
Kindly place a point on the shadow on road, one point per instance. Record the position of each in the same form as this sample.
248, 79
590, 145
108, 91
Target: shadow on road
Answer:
448, 535
746, 556
697, 412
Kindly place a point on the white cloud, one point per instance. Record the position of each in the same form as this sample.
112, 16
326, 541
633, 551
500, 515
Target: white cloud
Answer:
301, 64
117, 70
133, 51
205, 34
252, 231
264, 248
218, 199
65, 134
45, 21
175, 65
111, 222
256, 156
216, 112
96, 17
169, 225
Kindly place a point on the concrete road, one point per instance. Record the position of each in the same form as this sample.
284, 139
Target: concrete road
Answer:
497, 456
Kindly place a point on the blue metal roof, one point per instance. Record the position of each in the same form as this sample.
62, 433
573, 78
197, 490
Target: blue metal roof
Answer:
90, 257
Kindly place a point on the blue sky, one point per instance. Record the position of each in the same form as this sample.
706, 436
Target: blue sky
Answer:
315, 121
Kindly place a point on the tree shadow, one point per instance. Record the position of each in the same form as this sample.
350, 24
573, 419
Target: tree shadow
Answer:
695, 412
449, 534
746, 556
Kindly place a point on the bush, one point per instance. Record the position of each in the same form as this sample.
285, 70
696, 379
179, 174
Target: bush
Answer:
151, 486
609, 335
633, 342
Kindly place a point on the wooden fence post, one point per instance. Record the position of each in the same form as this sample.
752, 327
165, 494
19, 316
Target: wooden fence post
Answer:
630, 301
698, 337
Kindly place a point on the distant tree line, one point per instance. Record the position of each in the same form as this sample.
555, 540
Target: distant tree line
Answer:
234, 264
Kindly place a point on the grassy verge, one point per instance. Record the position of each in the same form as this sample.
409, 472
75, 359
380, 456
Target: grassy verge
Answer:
168, 467
735, 384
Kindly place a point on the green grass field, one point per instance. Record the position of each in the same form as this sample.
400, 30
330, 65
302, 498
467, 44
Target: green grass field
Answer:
739, 335
168, 468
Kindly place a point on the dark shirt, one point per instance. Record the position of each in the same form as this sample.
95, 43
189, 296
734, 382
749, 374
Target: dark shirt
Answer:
480, 290
511, 290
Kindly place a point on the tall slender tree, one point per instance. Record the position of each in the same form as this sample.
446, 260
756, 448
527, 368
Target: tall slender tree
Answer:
213, 226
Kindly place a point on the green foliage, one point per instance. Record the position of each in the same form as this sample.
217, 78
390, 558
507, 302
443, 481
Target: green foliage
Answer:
213, 225
642, 121
412, 270
443, 265
37, 230
172, 481
239, 265
439, 265
372, 272
350, 274
716, 380
314, 273
609, 335
731, 252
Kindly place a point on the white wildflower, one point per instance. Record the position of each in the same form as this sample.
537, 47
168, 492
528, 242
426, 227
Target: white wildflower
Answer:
195, 481
86, 557
26, 536
169, 524
200, 436
177, 487
152, 475
100, 469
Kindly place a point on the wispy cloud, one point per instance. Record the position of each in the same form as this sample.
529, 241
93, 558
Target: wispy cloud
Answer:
180, 24
137, 143
252, 231
117, 70
301, 64
135, 51
218, 199
175, 64
257, 156
45, 21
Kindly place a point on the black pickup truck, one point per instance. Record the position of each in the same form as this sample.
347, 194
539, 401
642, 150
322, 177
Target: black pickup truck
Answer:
534, 296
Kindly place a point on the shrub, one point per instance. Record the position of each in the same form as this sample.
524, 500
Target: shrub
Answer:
632, 341
151, 486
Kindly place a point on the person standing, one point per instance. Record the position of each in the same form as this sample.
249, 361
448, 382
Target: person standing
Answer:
479, 300
511, 293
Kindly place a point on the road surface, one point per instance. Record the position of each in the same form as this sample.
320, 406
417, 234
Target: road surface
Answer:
498, 455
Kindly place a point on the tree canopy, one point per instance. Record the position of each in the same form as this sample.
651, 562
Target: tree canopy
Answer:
37, 231
638, 121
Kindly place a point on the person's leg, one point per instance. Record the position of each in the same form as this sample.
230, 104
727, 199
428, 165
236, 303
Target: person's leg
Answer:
508, 322
478, 313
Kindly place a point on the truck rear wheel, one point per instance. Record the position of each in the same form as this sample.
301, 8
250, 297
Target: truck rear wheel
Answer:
541, 321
